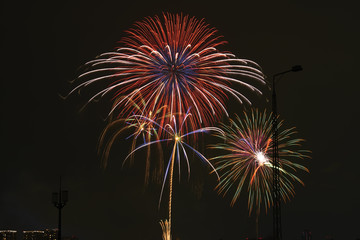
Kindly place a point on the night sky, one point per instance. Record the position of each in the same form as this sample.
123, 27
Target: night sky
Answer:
44, 136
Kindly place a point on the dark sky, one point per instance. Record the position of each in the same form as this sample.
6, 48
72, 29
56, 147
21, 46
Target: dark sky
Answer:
44, 136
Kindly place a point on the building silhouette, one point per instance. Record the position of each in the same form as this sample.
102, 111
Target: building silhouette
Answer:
47, 234
33, 235
306, 235
70, 238
51, 234
8, 234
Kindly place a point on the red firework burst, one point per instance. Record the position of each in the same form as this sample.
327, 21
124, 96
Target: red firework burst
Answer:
172, 62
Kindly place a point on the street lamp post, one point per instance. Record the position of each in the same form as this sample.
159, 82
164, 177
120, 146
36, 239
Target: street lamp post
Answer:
277, 232
59, 199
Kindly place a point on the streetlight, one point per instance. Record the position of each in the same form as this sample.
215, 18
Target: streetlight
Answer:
276, 172
59, 199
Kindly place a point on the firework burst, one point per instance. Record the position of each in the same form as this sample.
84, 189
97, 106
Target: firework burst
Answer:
172, 62
248, 160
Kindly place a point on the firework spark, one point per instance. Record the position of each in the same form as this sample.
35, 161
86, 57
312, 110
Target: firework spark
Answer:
248, 159
165, 227
172, 62
142, 128
177, 135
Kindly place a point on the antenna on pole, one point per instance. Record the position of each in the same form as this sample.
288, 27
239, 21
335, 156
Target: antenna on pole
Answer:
59, 199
